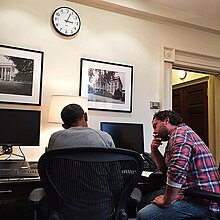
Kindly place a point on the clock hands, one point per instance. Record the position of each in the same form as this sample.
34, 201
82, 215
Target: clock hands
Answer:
67, 20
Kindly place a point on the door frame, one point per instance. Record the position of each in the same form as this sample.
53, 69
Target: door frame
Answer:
178, 59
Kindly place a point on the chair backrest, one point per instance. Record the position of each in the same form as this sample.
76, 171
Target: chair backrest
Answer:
89, 183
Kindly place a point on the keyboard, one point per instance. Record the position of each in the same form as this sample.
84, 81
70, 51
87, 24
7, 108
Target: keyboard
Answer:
17, 169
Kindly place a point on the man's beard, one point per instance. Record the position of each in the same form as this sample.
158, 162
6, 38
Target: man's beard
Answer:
163, 134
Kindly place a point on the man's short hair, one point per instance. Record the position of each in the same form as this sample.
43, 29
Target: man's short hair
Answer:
174, 117
71, 114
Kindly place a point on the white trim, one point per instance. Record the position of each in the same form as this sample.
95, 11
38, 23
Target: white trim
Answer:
193, 61
197, 63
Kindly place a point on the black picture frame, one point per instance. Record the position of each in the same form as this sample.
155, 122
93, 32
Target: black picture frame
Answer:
107, 85
21, 73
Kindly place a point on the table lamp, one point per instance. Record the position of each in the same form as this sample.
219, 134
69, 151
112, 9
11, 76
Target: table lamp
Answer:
58, 102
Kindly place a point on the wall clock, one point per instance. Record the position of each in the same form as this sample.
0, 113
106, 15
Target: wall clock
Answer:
66, 21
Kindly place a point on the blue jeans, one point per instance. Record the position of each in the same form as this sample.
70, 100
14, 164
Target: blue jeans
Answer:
178, 210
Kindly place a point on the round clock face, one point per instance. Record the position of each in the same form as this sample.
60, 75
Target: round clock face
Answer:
66, 21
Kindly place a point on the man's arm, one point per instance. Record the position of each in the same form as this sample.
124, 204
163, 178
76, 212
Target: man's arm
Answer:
168, 198
157, 156
107, 139
52, 139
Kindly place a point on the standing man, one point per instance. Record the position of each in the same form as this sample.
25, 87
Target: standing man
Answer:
77, 133
189, 163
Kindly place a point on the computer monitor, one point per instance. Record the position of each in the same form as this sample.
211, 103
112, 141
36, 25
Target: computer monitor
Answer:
125, 135
19, 128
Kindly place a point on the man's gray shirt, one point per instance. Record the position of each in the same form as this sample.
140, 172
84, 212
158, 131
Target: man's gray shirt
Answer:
80, 137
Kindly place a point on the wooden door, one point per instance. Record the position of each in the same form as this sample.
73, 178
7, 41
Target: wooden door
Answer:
191, 102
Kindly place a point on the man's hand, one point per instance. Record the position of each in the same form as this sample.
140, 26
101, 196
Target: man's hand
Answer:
156, 142
168, 198
160, 201
156, 154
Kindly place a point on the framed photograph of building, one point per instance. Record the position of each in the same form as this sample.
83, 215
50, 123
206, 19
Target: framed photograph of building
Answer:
20, 75
108, 86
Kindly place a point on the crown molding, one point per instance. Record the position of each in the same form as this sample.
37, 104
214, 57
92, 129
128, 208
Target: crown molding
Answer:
192, 61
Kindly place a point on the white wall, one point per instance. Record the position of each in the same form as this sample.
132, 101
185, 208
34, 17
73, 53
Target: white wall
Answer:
103, 36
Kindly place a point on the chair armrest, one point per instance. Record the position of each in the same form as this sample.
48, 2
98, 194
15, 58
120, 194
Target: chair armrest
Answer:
203, 194
136, 195
35, 196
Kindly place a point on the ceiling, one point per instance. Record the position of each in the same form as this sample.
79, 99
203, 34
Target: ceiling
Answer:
205, 8
198, 14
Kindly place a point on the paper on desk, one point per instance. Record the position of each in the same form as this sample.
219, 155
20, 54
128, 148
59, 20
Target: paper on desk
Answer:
146, 173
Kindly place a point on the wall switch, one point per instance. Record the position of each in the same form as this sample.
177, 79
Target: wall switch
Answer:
154, 105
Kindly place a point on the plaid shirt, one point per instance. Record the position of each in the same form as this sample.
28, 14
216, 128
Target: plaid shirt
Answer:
190, 163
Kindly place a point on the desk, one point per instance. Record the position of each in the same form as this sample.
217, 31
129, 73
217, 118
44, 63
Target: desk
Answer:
17, 188
14, 194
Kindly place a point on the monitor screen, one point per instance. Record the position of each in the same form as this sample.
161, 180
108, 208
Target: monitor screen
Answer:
19, 127
125, 135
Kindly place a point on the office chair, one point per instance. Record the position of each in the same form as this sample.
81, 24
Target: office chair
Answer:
89, 183
197, 193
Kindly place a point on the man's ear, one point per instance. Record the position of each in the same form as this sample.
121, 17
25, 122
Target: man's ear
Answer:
85, 116
65, 126
167, 120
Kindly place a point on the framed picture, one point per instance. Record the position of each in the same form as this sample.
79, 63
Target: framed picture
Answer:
20, 75
108, 86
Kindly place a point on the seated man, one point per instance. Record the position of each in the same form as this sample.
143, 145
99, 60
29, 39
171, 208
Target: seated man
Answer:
77, 133
189, 163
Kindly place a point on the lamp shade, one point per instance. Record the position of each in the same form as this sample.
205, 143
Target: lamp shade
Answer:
58, 102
